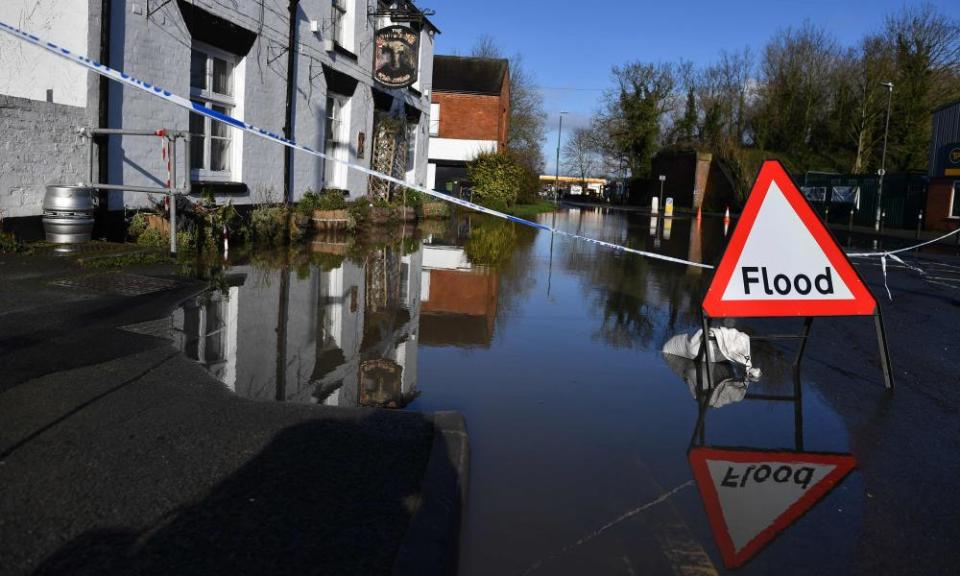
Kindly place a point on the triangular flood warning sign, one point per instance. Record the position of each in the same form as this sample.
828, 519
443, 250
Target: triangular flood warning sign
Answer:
751, 496
782, 261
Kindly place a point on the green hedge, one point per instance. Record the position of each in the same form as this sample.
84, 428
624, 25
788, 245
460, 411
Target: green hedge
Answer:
496, 179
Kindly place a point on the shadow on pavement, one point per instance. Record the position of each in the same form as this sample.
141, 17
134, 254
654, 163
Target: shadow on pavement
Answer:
331, 496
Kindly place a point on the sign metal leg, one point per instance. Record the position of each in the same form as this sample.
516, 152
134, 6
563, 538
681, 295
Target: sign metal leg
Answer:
803, 340
705, 349
884, 351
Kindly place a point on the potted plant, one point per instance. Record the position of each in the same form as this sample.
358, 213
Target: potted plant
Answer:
327, 210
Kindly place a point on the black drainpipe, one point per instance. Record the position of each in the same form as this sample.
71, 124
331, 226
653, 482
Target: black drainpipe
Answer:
291, 85
102, 142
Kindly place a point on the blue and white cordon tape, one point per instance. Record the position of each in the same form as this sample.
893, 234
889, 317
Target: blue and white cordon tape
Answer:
249, 128
159, 92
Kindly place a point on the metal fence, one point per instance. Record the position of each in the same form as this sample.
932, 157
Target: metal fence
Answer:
837, 197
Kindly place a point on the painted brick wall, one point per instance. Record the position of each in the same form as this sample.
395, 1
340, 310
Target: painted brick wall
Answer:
38, 146
470, 116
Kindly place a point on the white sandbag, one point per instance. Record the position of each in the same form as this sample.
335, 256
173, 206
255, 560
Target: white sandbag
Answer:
727, 343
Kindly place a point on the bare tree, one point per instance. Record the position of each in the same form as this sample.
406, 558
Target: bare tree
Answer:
486, 47
579, 155
527, 117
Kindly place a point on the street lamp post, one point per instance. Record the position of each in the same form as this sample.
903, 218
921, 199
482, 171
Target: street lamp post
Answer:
883, 158
556, 183
663, 179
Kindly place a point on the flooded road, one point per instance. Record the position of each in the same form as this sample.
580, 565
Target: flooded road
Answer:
579, 425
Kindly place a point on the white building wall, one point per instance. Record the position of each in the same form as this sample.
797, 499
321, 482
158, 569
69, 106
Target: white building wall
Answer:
28, 71
461, 150
38, 141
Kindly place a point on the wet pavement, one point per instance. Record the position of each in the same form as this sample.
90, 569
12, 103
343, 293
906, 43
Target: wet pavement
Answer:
579, 426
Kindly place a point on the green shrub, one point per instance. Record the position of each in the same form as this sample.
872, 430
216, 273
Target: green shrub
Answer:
409, 197
137, 225
9, 244
269, 224
496, 179
328, 199
155, 238
358, 212
529, 186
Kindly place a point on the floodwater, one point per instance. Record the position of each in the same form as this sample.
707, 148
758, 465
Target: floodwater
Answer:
551, 348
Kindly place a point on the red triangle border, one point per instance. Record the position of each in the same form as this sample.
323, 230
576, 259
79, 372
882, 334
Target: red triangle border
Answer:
863, 303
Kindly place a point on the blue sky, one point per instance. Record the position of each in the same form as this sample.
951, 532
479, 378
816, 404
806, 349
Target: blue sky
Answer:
569, 44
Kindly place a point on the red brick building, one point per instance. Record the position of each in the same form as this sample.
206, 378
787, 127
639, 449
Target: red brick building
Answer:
943, 193
469, 114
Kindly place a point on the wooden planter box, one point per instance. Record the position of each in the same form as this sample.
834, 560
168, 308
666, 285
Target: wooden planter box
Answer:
329, 219
434, 209
158, 222
381, 215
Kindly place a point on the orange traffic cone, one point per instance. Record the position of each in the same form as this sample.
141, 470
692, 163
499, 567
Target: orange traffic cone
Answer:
699, 213
726, 216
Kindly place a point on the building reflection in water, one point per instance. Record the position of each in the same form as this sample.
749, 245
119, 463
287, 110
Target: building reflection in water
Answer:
344, 335
459, 300
321, 327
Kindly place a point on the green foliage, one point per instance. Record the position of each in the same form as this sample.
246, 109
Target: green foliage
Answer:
269, 224
491, 241
358, 213
156, 238
805, 98
137, 225
687, 127
529, 209
327, 199
326, 261
410, 197
9, 243
635, 112
496, 178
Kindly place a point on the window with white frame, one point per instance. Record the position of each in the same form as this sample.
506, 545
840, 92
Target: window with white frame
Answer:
955, 201
434, 119
336, 140
212, 84
338, 19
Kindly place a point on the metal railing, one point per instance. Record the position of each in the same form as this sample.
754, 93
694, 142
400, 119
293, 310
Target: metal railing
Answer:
170, 190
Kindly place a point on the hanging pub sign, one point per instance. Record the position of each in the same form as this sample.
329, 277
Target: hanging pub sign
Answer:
396, 56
